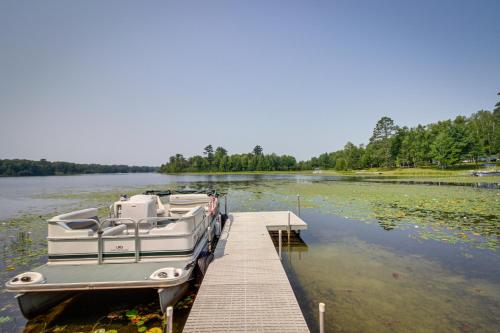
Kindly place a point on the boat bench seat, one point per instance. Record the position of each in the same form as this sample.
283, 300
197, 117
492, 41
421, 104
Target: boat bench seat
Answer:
79, 225
75, 224
113, 231
78, 228
188, 201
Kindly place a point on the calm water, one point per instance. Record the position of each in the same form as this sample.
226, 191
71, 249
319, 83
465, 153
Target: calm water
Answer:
23, 194
371, 279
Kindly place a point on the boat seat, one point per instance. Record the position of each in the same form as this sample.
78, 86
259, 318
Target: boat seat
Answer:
116, 230
188, 200
160, 208
178, 211
129, 227
79, 225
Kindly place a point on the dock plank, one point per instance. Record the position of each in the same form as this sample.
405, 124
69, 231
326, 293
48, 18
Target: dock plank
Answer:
246, 288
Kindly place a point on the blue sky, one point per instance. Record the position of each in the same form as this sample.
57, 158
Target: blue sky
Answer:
135, 82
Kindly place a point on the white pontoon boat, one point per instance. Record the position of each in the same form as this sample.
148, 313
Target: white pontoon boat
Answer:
145, 243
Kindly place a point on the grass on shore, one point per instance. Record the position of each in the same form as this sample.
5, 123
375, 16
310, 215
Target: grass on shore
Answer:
462, 172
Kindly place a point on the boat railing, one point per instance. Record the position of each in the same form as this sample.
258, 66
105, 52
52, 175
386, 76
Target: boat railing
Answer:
115, 221
153, 223
66, 222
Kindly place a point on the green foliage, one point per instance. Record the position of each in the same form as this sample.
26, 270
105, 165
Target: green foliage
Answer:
43, 167
497, 105
442, 213
222, 162
443, 144
257, 150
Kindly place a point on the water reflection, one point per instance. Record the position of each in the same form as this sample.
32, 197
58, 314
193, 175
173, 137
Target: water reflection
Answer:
373, 281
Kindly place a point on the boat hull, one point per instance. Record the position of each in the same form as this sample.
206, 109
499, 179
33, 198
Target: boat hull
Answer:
33, 304
170, 296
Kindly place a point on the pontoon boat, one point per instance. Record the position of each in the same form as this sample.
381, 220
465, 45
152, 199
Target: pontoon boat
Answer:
146, 242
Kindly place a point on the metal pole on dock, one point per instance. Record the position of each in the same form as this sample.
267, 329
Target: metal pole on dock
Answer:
100, 246
279, 242
298, 204
137, 242
289, 228
209, 239
321, 317
169, 320
225, 204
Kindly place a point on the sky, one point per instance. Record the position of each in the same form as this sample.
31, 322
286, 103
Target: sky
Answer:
134, 82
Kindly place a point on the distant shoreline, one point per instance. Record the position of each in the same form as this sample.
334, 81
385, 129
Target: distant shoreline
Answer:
79, 174
28, 168
375, 172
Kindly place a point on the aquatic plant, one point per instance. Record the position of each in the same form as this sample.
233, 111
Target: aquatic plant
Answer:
441, 213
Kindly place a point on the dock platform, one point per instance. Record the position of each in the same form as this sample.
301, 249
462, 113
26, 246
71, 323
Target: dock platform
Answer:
245, 288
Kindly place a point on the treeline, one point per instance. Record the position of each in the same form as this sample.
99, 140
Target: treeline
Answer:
43, 167
443, 144
218, 160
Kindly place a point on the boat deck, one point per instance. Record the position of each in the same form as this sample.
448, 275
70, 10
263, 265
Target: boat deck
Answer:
109, 276
246, 288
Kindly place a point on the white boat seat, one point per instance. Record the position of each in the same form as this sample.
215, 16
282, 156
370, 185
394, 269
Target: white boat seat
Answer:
188, 200
178, 212
116, 230
79, 225
160, 208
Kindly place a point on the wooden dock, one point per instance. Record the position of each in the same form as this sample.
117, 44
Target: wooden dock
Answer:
246, 288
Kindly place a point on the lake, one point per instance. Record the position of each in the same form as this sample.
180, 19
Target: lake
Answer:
383, 254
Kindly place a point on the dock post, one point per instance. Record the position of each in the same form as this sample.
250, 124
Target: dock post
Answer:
100, 246
279, 242
298, 205
289, 229
137, 242
321, 317
169, 328
225, 204
209, 239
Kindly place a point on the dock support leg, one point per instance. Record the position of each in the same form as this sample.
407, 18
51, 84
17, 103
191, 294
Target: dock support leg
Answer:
209, 229
298, 205
100, 246
279, 242
289, 229
169, 314
321, 317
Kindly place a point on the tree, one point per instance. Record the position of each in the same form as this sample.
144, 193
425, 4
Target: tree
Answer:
340, 164
441, 149
452, 143
407, 149
380, 139
257, 150
422, 145
324, 161
208, 151
351, 156
219, 155
497, 105
384, 129
220, 152
484, 129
